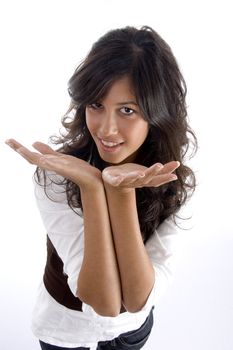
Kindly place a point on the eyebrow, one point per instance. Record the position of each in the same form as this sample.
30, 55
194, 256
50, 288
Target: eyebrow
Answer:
127, 103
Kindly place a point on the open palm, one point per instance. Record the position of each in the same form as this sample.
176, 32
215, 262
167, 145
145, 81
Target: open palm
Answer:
75, 169
132, 175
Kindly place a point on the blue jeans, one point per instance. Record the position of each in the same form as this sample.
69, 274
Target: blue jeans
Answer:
130, 340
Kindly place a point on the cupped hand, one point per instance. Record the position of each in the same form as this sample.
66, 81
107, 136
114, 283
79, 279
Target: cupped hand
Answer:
75, 169
130, 175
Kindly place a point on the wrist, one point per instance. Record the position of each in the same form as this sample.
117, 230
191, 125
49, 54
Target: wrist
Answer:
93, 186
118, 190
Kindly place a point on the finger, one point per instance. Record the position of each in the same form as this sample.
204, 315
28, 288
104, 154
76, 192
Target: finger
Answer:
13, 144
160, 180
31, 157
151, 172
40, 146
43, 148
157, 181
170, 167
131, 180
153, 169
159, 169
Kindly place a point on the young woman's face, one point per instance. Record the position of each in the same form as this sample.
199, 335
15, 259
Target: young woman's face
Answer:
116, 124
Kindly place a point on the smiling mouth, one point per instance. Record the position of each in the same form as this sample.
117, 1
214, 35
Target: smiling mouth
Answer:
109, 145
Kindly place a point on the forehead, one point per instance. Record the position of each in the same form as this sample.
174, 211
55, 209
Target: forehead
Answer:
120, 89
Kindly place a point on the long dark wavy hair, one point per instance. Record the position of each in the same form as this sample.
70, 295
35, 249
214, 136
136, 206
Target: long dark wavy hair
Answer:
160, 90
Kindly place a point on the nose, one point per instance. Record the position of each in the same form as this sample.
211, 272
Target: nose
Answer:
109, 125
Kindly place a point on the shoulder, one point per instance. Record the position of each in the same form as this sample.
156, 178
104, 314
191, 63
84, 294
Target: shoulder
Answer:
168, 227
50, 192
49, 184
165, 237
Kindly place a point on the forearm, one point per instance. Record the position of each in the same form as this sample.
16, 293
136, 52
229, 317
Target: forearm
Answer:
136, 270
99, 280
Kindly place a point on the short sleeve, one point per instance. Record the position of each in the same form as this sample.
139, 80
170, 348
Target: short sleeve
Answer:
63, 226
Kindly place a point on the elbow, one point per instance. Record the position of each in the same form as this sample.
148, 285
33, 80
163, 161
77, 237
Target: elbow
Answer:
133, 308
102, 308
106, 311
137, 297
135, 303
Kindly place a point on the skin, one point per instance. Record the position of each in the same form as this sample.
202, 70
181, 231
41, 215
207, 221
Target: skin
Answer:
114, 121
110, 215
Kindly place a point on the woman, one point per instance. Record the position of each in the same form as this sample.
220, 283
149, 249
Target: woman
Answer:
109, 195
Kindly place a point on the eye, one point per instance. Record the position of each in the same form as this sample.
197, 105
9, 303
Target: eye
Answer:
127, 110
95, 105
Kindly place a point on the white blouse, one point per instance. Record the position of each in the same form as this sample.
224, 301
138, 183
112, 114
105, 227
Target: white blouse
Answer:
54, 323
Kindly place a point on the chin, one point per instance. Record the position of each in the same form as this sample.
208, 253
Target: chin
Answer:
112, 162
117, 160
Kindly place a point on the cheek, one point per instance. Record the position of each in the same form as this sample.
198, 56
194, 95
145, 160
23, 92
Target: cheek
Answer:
135, 132
141, 132
91, 123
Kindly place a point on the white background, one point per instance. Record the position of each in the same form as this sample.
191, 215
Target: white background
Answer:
41, 44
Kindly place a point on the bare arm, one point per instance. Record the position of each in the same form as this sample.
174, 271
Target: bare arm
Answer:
103, 266
98, 282
136, 270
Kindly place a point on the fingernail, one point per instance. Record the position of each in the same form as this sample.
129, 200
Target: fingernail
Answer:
173, 177
159, 166
8, 143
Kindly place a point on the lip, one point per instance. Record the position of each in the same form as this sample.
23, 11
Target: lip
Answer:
109, 149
